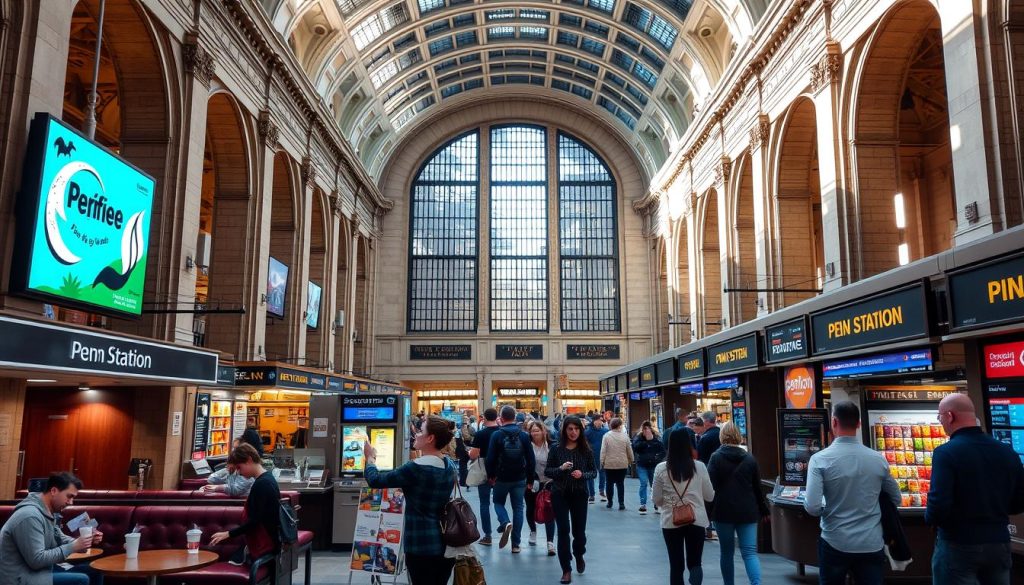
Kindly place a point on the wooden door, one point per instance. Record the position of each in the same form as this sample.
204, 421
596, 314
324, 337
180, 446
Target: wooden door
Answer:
104, 446
49, 438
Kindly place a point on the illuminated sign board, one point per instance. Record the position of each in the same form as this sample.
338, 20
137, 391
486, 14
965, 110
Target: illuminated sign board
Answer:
991, 294
905, 362
83, 223
634, 379
690, 366
692, 388
1004, 360
647, 376
723, 384
786, 341
738, 354
887, 318
368, 408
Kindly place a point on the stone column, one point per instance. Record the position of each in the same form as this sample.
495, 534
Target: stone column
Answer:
297, 346
726, 250
763, 216
350, 311
836, 218
257, 308
329, 304
974, 140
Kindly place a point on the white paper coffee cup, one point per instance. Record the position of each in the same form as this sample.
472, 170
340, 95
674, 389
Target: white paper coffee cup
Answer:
85, 531
131, 545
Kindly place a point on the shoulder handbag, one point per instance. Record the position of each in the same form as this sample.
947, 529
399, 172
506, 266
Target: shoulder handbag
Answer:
458, 522
543, 511
682, 513
477, 473
469, 571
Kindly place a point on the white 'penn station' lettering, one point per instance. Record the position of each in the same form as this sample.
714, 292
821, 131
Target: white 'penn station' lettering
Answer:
112, 356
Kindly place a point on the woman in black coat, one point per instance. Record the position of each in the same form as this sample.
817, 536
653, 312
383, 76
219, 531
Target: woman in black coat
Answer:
648, 452
739, 503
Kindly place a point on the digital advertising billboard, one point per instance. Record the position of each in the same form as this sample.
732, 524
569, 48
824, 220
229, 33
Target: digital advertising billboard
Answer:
83, 223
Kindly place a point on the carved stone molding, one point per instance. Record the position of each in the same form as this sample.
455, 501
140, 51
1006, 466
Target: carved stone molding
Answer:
308, 171
267, 129
647, 204
826, 71
759, 134
723, 170
335, 200
198, 61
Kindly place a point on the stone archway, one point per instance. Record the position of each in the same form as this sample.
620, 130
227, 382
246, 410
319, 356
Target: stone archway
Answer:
800, 248
742, 249
710, 283
225, 213
904, 167
684, 327
284, 220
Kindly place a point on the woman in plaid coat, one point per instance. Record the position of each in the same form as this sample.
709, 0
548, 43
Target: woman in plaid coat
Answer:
427, 484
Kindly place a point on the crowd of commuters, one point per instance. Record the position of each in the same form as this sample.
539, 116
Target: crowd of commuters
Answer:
695, 466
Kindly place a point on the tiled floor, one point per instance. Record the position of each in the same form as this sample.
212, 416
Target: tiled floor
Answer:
623, 548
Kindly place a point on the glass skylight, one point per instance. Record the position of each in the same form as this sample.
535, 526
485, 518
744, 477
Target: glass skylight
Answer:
375, 25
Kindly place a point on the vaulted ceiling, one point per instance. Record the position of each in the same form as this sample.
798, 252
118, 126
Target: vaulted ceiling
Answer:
387, 66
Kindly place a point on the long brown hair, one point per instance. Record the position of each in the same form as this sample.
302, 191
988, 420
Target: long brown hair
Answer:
543, 431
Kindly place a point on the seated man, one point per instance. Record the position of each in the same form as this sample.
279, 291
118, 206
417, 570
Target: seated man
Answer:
32, 545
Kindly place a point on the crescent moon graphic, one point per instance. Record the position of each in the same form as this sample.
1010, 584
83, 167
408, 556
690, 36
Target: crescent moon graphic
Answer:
55, 209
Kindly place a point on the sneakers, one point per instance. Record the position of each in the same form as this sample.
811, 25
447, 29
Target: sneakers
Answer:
590, 500
603, 497
566, 578
643, 510
516, 550
506, 532
486, 541
551, 549
533, 538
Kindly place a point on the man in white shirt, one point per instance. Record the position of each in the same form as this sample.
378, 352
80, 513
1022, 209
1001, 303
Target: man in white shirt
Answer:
850, 477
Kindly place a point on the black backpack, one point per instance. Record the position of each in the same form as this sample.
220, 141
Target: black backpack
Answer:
288, 531
512, 459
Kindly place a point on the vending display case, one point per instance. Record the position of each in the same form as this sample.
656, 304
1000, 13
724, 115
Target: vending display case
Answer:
220, 428
908, 438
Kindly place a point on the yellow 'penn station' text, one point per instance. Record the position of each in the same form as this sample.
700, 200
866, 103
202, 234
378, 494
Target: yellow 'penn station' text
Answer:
1006, 289
867, 322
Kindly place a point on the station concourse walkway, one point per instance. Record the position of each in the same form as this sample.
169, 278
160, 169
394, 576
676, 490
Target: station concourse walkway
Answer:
623, 548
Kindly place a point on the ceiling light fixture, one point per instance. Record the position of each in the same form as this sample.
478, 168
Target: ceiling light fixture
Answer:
40, 381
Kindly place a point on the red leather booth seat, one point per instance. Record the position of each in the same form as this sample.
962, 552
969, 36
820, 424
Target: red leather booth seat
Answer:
165, 526
153, 495
191, 484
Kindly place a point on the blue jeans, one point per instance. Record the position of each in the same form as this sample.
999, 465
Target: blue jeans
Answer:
484, 490
600, 478
646, 475
77, 575
956, 564
517, 491
834, 565
747, 535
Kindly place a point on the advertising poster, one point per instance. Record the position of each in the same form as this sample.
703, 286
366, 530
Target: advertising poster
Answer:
238, 419
312, 305
378, 534
802, 433
201, 428
352, 448
739, 410
800, 390
383, 440
277, 284
84, 223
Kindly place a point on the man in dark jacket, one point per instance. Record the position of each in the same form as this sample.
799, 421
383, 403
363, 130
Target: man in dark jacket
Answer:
709, 441
481, 442
977, 483
681, 416
509, 463
595, 434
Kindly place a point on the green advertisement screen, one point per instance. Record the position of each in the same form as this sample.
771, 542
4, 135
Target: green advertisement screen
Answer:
83, 223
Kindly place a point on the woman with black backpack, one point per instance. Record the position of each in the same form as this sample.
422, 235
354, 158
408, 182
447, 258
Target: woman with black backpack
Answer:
570, 465
739, 503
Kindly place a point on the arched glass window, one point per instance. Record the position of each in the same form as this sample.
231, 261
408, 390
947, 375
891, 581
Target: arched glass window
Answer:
519, 229
582, 226
443, 239
587, 239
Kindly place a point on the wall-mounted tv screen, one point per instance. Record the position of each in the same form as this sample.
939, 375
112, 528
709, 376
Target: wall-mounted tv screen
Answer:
277, 286
312, 305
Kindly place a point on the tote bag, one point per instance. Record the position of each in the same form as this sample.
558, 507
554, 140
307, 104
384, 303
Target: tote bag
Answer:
477, 473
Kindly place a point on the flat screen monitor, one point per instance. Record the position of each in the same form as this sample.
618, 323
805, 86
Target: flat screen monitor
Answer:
353, 437
277, 285
313, 292
383, 440
369, 413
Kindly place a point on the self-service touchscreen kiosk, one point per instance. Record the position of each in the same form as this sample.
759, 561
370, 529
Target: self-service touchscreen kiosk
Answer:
341, 425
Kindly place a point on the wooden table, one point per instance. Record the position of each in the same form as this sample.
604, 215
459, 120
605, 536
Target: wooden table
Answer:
89, 553
153, 563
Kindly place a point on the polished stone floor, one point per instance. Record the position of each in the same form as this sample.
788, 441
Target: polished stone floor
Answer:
623, 548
